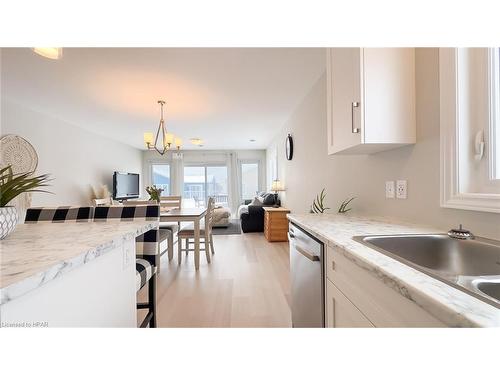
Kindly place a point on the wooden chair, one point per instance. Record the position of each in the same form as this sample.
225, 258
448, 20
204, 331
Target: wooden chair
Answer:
147, 248
171, 202
166, 241
206, 238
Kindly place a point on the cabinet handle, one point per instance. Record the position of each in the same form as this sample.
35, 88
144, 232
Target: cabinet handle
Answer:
307, 254
333, 265
354, 105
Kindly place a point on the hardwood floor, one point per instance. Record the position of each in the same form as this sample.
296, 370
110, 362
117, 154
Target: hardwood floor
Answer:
246, 285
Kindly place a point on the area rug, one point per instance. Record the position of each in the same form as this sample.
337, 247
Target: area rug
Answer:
234, 227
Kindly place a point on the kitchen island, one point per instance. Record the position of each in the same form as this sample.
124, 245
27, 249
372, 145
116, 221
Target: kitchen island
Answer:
367, 288
70, 275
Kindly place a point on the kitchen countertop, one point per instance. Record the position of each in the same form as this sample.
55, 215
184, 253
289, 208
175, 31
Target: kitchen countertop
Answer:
448, 304
34, 254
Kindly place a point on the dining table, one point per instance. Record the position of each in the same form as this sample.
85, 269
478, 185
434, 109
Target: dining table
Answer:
186, 214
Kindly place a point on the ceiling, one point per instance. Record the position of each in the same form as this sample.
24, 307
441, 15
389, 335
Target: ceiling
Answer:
226, 96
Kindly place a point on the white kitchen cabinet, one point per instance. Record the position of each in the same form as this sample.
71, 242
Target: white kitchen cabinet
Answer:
341, 313
366, 299
370, 99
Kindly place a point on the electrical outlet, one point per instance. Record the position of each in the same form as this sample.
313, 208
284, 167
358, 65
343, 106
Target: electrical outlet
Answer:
128, 253
389, 189
401, 189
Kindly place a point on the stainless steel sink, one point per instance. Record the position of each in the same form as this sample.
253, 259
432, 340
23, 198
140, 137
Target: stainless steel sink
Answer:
471, 265
489, 287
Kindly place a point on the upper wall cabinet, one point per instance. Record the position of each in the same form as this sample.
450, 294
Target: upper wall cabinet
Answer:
371, 99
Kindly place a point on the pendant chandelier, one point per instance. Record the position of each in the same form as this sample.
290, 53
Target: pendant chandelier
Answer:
168, 140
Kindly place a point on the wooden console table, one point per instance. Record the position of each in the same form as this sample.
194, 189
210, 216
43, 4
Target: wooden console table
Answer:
275, 224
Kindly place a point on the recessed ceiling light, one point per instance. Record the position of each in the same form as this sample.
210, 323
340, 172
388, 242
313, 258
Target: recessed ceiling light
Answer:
252, 140
196, 141
53, 53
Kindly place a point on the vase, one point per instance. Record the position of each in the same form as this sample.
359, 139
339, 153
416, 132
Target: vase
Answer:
8, 220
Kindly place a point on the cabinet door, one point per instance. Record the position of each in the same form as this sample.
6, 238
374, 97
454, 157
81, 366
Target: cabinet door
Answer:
344, 70
340, 312
389, 87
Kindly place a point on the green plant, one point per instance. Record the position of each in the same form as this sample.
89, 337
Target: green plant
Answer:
318, 205
343, 207
13, 184
154, 193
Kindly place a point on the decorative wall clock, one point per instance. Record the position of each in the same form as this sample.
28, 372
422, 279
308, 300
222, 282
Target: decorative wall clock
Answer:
289, 147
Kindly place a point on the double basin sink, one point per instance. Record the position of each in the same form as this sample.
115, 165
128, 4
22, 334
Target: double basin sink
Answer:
471, 265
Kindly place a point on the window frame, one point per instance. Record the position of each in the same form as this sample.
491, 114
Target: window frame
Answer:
153, 163
450, 121
240, 182
494, 105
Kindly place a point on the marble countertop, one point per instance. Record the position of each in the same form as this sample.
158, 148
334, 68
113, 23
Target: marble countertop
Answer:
34, 254
450, 305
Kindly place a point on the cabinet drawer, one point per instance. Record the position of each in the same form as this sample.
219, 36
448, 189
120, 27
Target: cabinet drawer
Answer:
382, 305
341, 313
279, 227
277, 219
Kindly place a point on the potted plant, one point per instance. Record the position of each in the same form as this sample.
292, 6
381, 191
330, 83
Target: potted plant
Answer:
154, 193
318, 205
11, 185
344, 206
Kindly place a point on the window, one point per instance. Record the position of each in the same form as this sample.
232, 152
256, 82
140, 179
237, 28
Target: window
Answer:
201, 182
160, 177
249, 179
469, 128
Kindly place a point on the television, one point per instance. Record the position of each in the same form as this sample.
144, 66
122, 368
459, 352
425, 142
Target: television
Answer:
125, 185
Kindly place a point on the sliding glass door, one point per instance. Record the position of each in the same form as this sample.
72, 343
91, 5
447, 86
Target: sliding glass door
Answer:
217, 184
203, 181
194, 186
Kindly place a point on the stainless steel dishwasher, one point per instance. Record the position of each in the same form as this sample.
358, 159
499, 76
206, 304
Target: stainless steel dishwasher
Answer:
307, 278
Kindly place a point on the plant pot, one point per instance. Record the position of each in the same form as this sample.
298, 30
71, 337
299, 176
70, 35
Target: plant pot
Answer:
8, 220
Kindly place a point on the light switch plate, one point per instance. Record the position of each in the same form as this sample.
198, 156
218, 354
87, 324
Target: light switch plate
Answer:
389, 189
401, 189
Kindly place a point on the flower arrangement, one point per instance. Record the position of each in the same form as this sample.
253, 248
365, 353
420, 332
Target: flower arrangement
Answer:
154, 193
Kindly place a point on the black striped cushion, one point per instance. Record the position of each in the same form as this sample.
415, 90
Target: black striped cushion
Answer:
59, 214
143, 271
127, 213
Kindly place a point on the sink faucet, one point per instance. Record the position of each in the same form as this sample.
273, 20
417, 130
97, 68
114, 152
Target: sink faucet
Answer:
460, 233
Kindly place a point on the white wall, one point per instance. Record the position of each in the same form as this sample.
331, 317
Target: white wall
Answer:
364, 176
75, 158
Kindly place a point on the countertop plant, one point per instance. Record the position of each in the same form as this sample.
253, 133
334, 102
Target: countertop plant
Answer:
13, 184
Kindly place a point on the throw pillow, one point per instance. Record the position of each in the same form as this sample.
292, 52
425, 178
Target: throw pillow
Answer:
269, 199
256, 202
